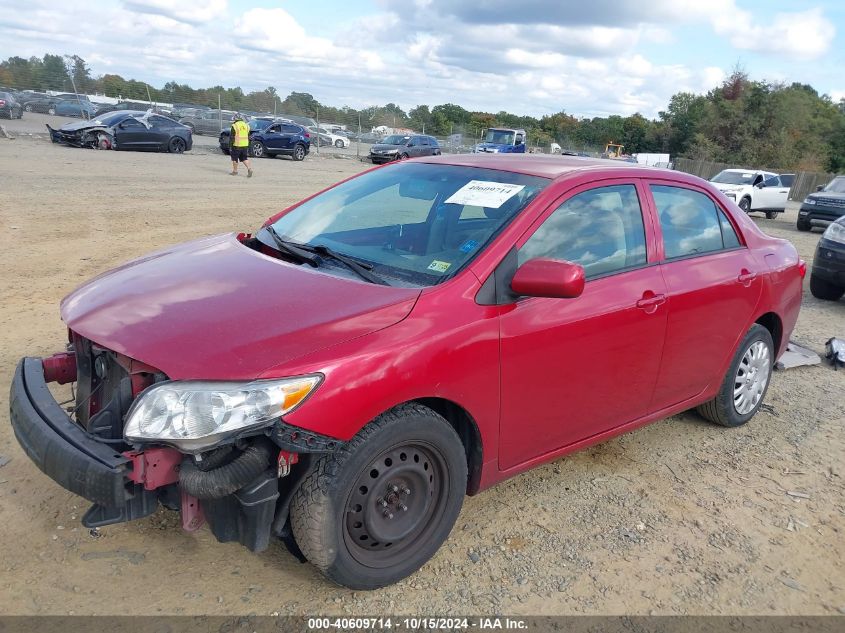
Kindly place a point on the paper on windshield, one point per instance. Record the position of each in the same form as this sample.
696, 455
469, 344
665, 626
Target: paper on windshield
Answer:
483, 193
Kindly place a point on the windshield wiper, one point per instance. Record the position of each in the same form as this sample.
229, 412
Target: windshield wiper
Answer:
362, 269
301, 255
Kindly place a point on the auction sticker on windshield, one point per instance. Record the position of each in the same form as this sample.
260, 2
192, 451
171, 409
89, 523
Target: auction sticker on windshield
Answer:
483, 193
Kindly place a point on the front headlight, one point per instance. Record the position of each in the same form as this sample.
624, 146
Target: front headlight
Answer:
194, 415
808, 201
835, 233
391, 151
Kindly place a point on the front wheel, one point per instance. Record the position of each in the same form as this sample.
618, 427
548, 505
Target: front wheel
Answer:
746, 382
824, 290
28, 108
259, 150
339, 144
51, 111
745, 205
378, 509
803, 225
299, 152
771, 215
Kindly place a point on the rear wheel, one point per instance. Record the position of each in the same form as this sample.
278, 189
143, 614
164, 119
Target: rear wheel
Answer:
823, 289
299, 152
403, 156
377, 510
745, 205
177, 145
259, 150
746, 382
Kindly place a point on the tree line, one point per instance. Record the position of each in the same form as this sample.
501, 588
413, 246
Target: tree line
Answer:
742, 121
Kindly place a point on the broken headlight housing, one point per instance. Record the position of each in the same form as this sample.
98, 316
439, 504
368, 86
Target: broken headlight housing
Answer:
194, 416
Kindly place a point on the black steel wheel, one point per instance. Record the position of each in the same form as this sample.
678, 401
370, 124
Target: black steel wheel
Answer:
824, 290
803, 225
177, 145
375, 511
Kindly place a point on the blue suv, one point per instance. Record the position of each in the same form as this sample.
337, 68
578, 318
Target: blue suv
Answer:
269, 137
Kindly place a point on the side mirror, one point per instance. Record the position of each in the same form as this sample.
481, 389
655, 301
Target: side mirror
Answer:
760, 185
820, 188
553, 278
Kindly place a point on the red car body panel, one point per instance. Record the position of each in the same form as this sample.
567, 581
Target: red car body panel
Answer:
538, 378
213, 309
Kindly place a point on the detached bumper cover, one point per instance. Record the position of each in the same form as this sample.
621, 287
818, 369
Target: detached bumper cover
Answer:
60, 448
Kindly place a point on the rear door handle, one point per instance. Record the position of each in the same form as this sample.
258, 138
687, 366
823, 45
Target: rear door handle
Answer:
746, 277
653, 301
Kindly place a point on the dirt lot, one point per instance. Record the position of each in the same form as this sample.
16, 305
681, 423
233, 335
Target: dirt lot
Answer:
681, 517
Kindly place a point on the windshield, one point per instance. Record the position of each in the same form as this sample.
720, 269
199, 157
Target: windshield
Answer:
837, 185
111, 118
417, 224
395, 139
727, 177
502, 137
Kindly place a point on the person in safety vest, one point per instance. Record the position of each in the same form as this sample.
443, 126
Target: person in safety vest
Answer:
239, 144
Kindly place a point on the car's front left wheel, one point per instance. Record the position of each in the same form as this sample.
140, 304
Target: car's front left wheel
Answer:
378, 509
746, 382
771, 215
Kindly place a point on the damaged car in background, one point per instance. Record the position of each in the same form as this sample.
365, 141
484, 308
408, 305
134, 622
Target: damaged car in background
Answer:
126, 130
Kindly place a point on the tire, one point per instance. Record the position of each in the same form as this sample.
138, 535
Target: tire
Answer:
771, 215
259, 150
745, 205
51, 111
339, 144
803, 225
28, 107
755, 353
824, 290
403, 157
378, 509
298, 152
177, 145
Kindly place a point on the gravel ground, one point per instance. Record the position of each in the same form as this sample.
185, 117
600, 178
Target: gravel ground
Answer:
680, 517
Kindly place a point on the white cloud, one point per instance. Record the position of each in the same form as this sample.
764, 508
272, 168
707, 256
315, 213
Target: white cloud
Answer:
194, 12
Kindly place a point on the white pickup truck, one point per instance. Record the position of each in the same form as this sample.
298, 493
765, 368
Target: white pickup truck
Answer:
755, 190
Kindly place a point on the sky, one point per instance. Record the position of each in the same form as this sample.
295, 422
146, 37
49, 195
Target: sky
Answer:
528, 57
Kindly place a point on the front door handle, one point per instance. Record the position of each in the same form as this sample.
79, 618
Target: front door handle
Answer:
649, 304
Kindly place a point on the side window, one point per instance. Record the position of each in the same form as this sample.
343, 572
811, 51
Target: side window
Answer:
774, 181
424, 140
691, 222
601, 229
159, 122
131, 124
289, 129
757, 179
787, 179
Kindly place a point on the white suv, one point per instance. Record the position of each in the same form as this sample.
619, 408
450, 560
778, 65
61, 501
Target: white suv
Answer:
755, 190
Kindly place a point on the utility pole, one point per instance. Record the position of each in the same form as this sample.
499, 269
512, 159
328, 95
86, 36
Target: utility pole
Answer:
358, 140
82, 111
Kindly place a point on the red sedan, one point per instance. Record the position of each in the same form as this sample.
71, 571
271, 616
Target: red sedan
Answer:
341, 379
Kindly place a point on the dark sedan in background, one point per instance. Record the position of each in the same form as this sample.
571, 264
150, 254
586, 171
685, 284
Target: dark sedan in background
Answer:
270, 137
80, 109
827, 278
43, 104
823, 207
126, 130
401, 146
9, 106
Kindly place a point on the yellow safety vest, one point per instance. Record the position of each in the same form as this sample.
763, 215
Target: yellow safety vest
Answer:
240, 132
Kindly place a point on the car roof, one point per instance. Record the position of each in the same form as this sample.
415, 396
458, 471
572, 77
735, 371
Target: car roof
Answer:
543, 165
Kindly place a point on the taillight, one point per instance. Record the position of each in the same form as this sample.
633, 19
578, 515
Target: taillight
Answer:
802, 268
2, 102
306, 135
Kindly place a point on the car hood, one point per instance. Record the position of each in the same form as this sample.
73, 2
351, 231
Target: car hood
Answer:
723, 186
80, 125
214, 309
830, 195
